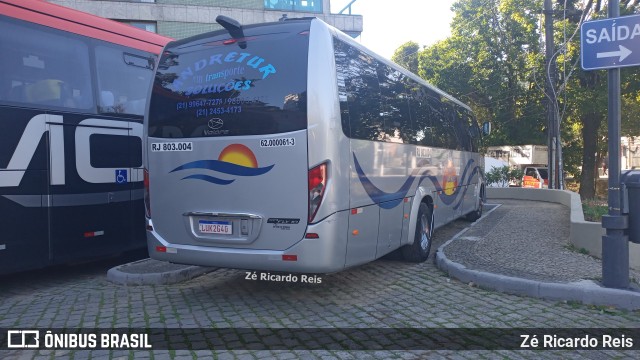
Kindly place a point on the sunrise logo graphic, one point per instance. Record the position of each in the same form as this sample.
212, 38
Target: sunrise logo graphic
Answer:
234, 160
238, 154
449, 180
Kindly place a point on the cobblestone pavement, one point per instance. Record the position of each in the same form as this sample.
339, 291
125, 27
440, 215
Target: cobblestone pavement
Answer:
385, 293
512, 242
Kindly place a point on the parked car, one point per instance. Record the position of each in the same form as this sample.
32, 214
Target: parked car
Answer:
535, 177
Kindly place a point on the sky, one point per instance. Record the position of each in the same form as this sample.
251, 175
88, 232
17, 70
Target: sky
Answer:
389, 24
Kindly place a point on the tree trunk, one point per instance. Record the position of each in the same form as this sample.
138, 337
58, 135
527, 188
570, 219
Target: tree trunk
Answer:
590, 127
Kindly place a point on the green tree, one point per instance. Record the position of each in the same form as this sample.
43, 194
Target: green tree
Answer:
584, 93
494, 61
488, 61
503, 176
407, 56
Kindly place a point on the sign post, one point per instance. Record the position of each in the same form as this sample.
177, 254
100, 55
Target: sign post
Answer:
611, 44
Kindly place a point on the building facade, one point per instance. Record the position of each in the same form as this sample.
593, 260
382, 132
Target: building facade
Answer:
182, 18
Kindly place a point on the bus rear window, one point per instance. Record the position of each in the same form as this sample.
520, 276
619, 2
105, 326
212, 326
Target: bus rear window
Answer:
212, 87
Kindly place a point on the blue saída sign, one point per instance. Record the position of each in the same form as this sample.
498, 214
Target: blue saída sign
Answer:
610, 43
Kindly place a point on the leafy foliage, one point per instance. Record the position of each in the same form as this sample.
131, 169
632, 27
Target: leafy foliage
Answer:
503, 176
494, 61
594, 209
407, 56
488, 62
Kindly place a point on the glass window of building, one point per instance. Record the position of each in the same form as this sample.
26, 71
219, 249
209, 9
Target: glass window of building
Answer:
294, 5
144, 25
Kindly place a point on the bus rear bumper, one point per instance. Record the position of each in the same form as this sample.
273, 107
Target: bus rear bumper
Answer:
325, 254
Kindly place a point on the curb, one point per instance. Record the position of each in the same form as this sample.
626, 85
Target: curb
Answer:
126, 274
586, 291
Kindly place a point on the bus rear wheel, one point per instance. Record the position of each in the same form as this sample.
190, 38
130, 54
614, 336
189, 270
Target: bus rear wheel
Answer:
419, 250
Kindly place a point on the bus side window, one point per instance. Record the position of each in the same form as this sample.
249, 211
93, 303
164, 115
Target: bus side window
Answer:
363, 96
474, 130
46, 91
461, 127
341, 69
395, 105
17, 93
126, 76
106, 98
421, 118
44, 66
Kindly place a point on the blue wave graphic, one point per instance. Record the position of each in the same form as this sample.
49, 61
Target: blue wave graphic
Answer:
464, 173
390, 200
475, 170
384, 199
225, 167
210, 179
449, 199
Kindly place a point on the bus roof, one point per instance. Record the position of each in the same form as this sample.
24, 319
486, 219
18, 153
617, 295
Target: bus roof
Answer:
66, 19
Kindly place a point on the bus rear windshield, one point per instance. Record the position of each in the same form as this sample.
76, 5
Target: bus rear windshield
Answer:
213, 87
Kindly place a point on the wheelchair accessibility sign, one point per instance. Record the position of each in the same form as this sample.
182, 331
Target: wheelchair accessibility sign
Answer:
121, 176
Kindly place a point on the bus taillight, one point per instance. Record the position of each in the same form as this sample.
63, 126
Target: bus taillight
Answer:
317, 184
147, 199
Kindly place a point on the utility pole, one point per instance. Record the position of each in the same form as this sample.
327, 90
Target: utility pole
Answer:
552, 121
615, 244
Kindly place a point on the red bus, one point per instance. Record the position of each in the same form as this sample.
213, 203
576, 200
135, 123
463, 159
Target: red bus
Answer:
73, 90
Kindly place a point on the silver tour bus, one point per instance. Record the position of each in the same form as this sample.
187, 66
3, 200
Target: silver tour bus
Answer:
290, 147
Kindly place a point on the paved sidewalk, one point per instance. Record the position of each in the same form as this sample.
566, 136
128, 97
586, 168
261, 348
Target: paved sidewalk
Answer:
522, 247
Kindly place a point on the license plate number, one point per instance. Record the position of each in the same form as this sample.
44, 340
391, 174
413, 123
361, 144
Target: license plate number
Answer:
215, 227
172, 146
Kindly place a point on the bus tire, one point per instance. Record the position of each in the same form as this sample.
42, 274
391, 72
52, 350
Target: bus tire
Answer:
419, 250
477, 213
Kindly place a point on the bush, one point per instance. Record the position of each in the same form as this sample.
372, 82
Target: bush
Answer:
504, 176
593, 209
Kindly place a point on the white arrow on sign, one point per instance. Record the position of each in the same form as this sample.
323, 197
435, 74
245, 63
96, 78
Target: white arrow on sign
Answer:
622, 53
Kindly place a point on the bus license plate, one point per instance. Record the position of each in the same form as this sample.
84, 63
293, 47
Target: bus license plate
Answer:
215, 227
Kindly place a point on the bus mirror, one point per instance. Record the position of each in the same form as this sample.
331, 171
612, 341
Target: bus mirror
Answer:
486, 128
